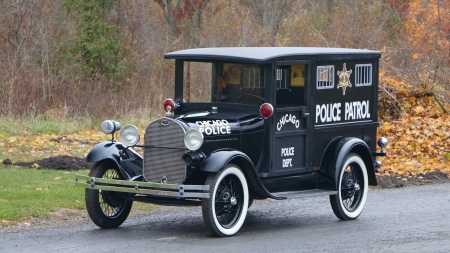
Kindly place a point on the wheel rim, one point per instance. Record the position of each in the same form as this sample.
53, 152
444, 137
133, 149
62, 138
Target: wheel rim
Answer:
111, 204
352, 187
228, 201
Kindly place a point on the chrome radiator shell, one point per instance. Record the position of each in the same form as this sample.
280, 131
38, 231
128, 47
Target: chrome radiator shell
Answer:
164, 141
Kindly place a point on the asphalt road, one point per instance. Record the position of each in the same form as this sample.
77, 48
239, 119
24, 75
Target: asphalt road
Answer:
413, 219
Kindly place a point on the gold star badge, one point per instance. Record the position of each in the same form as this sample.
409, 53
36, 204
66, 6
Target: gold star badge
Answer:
344, 78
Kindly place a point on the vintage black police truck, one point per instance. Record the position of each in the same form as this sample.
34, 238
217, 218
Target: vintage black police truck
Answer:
247, 123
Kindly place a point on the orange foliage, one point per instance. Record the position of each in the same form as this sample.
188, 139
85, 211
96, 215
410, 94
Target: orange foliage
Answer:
428, 25
419, 134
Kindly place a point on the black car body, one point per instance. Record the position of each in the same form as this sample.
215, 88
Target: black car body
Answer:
261, 123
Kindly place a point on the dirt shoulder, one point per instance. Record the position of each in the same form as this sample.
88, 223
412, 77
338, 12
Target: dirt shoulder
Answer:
436, 177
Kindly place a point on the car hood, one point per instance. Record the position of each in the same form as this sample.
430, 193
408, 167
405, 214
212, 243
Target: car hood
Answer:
222, 123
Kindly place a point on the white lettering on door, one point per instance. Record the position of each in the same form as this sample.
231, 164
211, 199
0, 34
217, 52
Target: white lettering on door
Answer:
289, 151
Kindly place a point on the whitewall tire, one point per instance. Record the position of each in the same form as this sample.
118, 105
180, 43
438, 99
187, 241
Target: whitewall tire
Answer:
225, 211
352, 186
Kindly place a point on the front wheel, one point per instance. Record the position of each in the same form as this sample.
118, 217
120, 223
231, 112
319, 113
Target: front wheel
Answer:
349, 202
225, 210
105, 208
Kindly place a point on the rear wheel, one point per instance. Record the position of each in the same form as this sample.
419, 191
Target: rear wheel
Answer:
225, 210
105, 208
349, 202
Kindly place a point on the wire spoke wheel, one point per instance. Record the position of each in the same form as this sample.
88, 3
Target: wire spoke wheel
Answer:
111, 204
352, 189
225, 210
105, 208
229, 197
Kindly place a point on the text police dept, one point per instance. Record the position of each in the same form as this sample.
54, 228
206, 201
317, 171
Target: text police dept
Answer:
214, 127
332, 112
289, 151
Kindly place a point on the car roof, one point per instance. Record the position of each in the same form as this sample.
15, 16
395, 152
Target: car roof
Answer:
269, 54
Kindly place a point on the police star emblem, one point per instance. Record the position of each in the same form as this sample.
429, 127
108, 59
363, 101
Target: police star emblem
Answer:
344, 78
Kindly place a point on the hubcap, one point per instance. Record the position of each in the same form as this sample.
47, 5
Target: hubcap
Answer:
233, 201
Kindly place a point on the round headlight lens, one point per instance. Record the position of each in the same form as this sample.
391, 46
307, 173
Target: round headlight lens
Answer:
129, 135
193, 139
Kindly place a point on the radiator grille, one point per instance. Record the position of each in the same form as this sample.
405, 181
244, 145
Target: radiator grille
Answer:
166, 163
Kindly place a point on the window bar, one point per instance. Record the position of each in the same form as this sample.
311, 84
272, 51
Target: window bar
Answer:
363, 69
330, 77
249, 77
322, 77
256, 85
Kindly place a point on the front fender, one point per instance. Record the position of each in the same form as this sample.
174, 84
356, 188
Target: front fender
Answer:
337, 150
129, 162
220, 159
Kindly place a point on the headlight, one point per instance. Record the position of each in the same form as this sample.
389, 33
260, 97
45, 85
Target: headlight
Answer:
193, 139
129, 135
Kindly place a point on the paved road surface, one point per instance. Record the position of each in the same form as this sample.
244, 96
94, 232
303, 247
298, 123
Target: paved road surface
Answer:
413, 219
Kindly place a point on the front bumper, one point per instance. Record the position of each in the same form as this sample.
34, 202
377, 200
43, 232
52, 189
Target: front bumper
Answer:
143, 188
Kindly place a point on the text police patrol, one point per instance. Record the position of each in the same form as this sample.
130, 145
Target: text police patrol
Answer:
326, 113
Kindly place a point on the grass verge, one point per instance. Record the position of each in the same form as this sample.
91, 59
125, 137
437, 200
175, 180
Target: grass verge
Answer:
34, 193
26, 193
30, 192
30, 139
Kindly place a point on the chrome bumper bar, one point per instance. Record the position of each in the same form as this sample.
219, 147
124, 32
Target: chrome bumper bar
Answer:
145, 188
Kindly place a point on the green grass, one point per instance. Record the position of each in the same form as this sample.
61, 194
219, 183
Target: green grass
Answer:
12, 126
28, 193
19, 136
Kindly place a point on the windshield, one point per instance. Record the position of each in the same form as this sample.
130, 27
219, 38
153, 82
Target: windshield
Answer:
223, 82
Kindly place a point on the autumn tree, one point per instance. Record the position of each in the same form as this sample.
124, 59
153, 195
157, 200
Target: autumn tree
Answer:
16, 32
422, 55
428, 28
177, 12
97, 43
269, 15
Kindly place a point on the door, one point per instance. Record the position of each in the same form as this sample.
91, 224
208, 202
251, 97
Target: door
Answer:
291, 119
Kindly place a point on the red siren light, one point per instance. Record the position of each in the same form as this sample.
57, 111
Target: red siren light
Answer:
169, 105
266, 110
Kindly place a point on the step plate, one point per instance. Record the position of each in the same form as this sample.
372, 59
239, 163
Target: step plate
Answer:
304, 194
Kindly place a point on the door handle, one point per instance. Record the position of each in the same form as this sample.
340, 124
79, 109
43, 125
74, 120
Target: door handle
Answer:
306, 115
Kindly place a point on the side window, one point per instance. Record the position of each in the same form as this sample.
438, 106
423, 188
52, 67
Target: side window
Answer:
291, 76
284, 82
325, 77
290, 85
363, 75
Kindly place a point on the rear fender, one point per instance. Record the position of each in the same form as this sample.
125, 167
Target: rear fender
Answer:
335, 155
220, 159
127, 160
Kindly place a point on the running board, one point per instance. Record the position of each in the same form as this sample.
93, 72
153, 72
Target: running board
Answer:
304, 194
